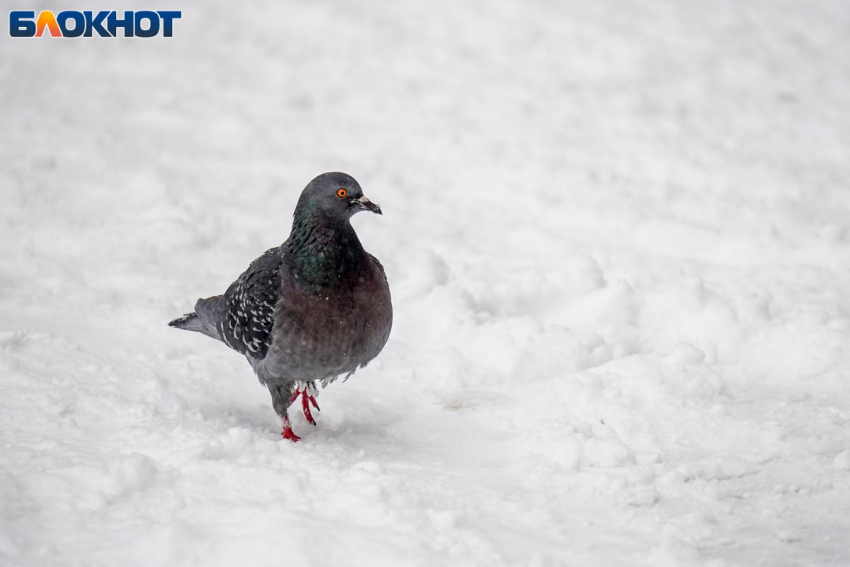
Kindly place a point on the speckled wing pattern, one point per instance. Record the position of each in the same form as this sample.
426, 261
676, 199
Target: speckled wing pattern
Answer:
246, 310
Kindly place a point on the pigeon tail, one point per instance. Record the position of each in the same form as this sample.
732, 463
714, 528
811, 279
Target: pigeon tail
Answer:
189, 322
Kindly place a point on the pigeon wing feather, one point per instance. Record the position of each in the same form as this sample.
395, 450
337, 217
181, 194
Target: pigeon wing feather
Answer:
243, 316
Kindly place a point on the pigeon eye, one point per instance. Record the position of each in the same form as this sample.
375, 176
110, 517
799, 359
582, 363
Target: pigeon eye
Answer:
341, 193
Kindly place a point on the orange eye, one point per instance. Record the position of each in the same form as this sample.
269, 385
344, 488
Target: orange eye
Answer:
341, 193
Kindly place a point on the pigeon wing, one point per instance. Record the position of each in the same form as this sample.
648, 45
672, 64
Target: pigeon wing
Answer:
244, 314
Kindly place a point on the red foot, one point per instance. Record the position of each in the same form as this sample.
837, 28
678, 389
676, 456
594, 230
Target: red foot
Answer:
287, 431
306, 400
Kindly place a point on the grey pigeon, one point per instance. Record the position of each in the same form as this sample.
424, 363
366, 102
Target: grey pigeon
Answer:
315, 308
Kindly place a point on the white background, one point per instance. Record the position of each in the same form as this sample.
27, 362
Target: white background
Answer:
617, 236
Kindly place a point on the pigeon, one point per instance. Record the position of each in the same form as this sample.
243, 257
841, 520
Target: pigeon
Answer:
313, 309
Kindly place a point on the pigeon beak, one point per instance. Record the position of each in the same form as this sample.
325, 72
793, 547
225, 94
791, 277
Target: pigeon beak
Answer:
367, 205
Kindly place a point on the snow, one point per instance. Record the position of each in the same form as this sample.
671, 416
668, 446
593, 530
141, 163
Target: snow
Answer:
618, 240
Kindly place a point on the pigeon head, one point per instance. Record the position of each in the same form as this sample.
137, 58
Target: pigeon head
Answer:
336, 196
323, 244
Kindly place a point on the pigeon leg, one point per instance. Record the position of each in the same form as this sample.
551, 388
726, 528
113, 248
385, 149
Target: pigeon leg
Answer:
307, 398
280, 401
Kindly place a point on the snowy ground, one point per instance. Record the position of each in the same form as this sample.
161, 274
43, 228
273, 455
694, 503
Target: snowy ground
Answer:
618, 239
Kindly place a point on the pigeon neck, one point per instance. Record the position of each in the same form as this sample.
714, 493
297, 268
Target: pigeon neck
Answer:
322, 251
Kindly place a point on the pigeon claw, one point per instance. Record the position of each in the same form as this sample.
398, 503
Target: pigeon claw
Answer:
306, 399
289, 434
287, 431
305, 405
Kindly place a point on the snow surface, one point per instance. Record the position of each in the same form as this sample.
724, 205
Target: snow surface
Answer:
618, 239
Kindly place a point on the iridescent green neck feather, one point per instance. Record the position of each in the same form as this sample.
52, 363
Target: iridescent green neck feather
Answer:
322, 250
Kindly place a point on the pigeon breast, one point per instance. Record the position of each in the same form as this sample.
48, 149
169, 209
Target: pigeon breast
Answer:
323, 331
